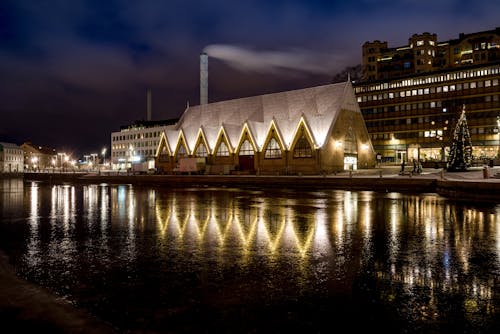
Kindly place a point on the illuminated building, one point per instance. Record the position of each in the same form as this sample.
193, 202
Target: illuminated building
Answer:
411, 117
136, 143
411, 95
11, 158
425, 54
306, 131
38, 157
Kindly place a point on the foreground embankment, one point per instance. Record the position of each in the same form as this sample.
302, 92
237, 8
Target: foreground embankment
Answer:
466, 189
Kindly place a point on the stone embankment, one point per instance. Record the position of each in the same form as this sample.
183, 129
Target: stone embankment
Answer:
472, 185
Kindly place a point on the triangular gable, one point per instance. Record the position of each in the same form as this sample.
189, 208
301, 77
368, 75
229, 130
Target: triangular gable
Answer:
277, 135
246, 132
222, 136
163, 143
307, 132
201, 139
181, 141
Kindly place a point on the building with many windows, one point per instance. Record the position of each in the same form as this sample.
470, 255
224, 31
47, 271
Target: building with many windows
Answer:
137, 143
306, 131
411, 117
424, 53
11, 158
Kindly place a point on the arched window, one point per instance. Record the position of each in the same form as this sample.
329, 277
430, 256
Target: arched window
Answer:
246, 148
201, 151
181, 153
223, 150
302, 148
350, 145
273, 150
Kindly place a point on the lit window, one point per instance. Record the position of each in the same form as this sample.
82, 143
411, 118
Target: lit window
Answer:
182, 152
223, 151
302, 148
246, 148
201, 151
273, 150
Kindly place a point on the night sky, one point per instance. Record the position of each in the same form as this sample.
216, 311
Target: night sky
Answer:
72, 72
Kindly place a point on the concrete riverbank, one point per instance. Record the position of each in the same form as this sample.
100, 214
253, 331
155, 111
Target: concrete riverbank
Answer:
475, 184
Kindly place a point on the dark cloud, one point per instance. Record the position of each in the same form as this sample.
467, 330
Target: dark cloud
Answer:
71, 72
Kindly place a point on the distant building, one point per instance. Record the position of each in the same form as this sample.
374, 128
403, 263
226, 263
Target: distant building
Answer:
11, 158
37, 157
306, 131
424, 53
136, 143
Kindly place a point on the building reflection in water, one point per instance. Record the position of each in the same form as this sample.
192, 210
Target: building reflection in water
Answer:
408, 243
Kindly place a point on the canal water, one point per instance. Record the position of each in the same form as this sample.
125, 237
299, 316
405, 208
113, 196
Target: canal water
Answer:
227, 260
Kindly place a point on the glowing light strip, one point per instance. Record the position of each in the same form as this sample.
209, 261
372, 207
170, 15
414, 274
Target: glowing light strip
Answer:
246, 130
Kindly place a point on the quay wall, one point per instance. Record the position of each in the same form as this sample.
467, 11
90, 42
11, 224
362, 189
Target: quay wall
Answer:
468, 190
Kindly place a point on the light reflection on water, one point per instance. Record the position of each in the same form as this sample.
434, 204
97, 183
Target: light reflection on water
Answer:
410, 254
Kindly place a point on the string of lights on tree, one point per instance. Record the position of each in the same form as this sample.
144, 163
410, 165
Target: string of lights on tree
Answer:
460, 157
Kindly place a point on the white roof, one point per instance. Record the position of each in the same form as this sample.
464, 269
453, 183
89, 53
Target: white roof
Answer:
318, 106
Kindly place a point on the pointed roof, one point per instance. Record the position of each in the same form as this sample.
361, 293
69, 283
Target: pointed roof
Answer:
319, 106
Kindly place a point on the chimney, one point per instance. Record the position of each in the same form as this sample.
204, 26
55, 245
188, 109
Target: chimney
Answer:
203, 78
149, 105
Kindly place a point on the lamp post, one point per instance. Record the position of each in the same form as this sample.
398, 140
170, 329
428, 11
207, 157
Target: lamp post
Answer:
104, 156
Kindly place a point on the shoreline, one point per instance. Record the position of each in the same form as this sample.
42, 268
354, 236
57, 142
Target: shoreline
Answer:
26, 307
470, 185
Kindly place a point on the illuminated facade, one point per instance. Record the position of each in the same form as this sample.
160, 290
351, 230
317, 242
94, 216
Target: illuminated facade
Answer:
11, 158
411, 117
136, 143
38, 157
425, 54
307, 131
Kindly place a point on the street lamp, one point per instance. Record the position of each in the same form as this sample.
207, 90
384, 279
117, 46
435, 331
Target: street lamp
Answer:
34, 160
104, 156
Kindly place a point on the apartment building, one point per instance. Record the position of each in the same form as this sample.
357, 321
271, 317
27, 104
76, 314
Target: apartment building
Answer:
411, 116
424, 53
137, 143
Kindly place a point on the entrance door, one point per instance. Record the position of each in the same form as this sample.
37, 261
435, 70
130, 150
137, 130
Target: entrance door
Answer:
246, 162
350, 162
400, 156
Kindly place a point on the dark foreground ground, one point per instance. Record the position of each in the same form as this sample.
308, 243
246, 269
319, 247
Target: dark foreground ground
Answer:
27, 308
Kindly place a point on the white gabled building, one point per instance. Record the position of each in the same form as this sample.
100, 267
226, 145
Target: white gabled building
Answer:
310, 131
11, 158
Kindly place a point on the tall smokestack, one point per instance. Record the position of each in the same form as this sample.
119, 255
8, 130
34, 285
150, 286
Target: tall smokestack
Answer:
203, 78
149, 105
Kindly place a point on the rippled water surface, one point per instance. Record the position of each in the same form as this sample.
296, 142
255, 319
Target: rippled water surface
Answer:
237, 261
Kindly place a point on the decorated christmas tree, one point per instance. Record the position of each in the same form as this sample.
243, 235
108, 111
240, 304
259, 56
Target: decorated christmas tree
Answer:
460, 156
